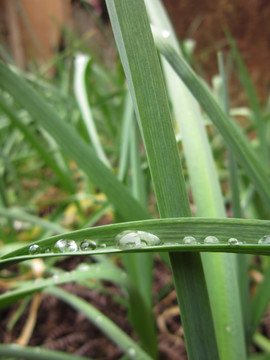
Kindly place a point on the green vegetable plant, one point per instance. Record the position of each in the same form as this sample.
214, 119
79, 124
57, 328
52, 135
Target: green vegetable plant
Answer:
207, 251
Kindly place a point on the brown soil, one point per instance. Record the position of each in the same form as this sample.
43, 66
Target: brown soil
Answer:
59, 327
247, 21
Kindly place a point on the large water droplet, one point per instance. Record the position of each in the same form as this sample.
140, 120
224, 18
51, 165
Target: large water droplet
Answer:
264, 240
128, 239
88, 245
64, 245
34, 249
189, 240
211, 240
233, 241
148, 238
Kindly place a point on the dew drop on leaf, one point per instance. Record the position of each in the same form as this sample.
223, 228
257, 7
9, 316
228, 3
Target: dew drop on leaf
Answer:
264, 240
211, 240
128, 239
34, 249
148, 238
64, 245
189, 240
88, 245
234, 241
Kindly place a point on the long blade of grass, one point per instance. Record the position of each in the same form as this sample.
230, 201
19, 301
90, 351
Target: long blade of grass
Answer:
117, 335
171, 233
141, 65
33, 353
71, 144
221, 283
231, 133
242, 260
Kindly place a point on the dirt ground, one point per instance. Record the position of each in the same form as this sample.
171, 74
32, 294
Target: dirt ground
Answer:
59, 327
247, 20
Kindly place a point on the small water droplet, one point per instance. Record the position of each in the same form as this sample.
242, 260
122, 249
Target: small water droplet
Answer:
189, 240
34, 249
234, 241
211, 240
123, 274
165, 33
103, 246
131, 352
264, 240
64, 245
47, 251
88, 245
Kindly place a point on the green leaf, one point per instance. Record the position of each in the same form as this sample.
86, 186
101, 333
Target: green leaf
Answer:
171, 233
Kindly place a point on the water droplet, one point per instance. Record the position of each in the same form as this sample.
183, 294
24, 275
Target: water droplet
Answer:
34, 249
128, 239
264, 240
165, 33
211, 240
88, 245
131, 352
47, 251
189, 240
123, 274
148, 238
64, 245
233, 241
102, 246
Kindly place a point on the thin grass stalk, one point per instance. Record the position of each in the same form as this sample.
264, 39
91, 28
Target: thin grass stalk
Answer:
242, 259
82, 62
253, 100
